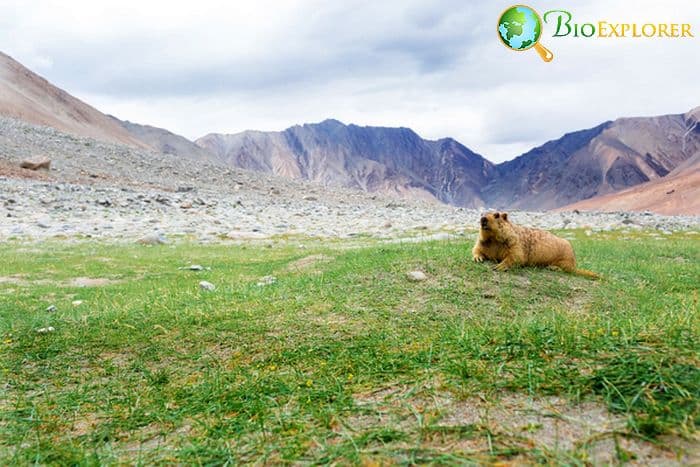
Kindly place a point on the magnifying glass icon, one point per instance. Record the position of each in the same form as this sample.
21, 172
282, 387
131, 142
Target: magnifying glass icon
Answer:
520, 28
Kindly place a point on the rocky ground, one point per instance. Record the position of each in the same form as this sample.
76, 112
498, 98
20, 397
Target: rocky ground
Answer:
107, 191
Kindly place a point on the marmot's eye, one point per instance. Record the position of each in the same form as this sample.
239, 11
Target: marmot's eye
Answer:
496, 215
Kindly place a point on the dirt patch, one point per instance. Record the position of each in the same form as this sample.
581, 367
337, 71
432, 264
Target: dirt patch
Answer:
91, 282
75, 282
308, 262
14, 280
436, 420
118, 359
10, 170
84, 425
154, 437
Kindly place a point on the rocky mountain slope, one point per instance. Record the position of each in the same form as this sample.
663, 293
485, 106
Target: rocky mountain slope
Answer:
375, 159
29, 97
610, 157
676, 193
164, 141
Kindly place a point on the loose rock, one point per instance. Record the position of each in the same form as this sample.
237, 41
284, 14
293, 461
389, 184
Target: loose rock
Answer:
266, 280
36, 163
416, 276
208, 286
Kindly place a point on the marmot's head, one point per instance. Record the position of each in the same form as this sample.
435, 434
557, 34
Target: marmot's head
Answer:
492, 223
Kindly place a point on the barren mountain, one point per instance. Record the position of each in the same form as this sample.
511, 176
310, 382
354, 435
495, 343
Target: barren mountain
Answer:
393, 160
605, 159
164, 141
676, 193
29, 97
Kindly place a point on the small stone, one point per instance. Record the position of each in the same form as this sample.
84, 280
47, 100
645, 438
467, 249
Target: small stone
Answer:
77, 302
416, 276
208, 286
153, 239
186, 205
194, 267
266, 280
45, 330
43, 223
310, 198
239, 235
51, 309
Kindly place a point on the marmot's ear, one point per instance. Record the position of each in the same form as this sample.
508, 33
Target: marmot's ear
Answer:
505, 216
496, 215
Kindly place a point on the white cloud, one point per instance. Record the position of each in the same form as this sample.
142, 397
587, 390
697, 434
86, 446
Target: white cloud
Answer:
436, 67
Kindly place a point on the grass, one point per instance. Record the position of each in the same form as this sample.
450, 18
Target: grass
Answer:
343, 360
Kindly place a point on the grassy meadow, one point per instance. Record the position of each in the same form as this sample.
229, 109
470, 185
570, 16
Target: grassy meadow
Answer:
342, 359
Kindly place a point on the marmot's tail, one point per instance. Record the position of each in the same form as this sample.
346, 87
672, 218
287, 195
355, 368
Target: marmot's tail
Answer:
587, 273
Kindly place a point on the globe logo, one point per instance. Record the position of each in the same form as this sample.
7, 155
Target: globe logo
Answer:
520, 28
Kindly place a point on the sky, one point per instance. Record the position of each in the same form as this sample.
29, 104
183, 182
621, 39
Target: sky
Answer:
437, 67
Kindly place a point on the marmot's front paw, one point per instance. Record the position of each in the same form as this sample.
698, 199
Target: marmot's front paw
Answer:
501, 267
478, 258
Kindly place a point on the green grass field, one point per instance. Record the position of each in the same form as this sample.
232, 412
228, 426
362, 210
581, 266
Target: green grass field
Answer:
343, 360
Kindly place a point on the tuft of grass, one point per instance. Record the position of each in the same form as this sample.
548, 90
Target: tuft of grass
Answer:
151, 369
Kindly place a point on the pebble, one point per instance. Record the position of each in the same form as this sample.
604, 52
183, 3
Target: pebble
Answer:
51, 309
266, 280
416, 276
77, 302
208, 286
45, 330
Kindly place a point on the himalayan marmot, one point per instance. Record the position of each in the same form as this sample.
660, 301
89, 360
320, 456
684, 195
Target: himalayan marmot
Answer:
514, 245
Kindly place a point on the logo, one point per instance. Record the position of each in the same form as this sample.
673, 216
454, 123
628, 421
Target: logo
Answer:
520, 29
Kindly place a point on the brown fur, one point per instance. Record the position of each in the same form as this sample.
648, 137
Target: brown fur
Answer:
514, 245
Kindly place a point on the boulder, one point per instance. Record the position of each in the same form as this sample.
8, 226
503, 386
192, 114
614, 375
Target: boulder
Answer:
36, 163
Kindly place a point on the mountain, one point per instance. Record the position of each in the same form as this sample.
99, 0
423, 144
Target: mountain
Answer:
27, 96
676, 193
164, 141
610, 157
605, 159
644, 152
394, 160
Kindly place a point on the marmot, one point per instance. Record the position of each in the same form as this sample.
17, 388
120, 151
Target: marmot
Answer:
514, 245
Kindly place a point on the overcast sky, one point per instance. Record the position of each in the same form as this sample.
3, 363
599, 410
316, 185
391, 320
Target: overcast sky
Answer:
434, 66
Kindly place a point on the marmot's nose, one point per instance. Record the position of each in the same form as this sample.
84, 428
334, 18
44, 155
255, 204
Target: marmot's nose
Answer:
484, 220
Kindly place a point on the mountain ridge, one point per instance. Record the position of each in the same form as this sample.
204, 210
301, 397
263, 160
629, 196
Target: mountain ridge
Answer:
27, 96
369, 158
581, 165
